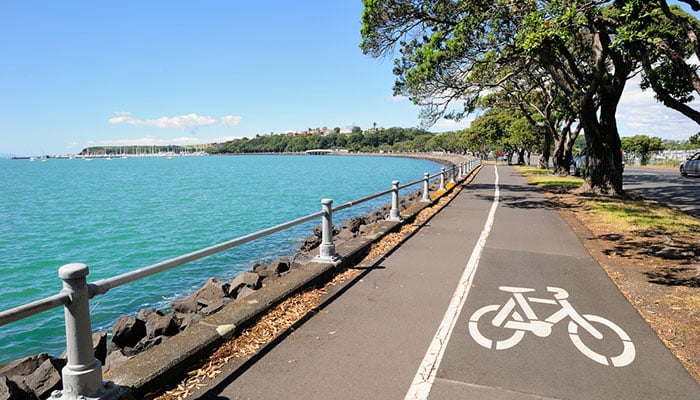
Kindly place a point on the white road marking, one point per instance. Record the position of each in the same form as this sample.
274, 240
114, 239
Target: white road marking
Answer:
425, 377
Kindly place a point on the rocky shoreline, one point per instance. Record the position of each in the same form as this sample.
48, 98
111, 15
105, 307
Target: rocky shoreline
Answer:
35, 377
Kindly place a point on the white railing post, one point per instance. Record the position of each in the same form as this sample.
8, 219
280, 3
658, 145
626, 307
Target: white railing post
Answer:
82, 375
442, 179
452, 174
426, 188
394, 212
326, 251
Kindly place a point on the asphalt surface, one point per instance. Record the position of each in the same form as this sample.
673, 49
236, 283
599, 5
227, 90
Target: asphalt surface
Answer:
665, 186
533, 296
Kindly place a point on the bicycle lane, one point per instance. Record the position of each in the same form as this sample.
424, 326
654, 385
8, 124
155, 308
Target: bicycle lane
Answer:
530, 249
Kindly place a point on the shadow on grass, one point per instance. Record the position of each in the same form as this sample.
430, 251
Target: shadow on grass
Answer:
655, 247
675, 276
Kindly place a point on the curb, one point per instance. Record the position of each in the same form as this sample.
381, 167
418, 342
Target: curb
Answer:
150, 371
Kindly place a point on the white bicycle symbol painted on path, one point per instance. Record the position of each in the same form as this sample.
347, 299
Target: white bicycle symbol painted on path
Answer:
509, 318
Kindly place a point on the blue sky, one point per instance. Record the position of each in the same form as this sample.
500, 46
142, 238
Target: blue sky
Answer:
75, 74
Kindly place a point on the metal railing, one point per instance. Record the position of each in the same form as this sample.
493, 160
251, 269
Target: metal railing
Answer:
82, 375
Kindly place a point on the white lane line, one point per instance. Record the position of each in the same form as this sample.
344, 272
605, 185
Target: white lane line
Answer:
425, 377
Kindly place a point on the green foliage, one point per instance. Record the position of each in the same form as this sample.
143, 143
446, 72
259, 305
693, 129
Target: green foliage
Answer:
641, 145
694, 140
457, 51
391, 139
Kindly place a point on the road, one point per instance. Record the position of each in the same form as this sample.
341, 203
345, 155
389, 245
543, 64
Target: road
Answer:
664, 186
495, 298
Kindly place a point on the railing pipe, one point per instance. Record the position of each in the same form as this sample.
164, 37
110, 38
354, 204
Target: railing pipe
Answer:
394, 212
33, 308
103, 285
426, 188
409, 184
361, 200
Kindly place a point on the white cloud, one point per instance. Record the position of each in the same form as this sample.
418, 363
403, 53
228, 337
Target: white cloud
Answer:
640, 114
231, 120
397, 99
184, 122
451, 125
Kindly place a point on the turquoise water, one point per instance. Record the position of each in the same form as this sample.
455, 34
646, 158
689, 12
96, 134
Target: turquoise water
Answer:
122, 214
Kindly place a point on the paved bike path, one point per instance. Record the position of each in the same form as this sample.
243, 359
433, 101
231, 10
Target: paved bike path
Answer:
371, 339
532, 247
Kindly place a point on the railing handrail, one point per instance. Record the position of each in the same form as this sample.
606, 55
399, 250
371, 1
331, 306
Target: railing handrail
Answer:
103, 285
380, 194
76, 291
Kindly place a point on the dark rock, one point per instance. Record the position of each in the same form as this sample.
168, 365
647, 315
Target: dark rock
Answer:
267, 274
213, 289
23, 366
46, 378
158, 324
346, 235
187, 319
376, 215
143, 345
257, 267
146, 313
251, 280
127, 331
280, 265
188, 305
10, 390
310, 243
99, 345
353, 224
213, 306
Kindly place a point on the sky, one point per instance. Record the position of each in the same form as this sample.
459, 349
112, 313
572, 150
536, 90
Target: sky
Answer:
75, 74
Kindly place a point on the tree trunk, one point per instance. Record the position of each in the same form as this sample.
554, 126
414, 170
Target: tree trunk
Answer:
543, 163
563, 149
521, 157
604, 157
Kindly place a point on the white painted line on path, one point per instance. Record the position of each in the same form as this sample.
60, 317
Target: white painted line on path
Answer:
425, 377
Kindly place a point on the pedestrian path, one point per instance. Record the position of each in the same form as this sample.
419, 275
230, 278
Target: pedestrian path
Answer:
495, 298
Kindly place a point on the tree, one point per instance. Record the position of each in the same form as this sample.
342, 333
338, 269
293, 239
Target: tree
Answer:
664, 37
545, 107
642, 145
694, 140
456, 50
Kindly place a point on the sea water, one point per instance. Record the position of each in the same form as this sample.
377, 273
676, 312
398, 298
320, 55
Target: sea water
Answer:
122, 214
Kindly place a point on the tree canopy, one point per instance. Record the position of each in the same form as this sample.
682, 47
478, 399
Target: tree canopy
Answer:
448, 54
642, 145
